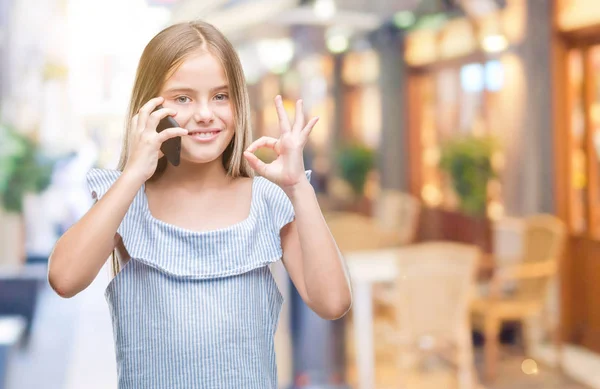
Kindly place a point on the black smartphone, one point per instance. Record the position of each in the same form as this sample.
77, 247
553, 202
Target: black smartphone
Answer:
172, 147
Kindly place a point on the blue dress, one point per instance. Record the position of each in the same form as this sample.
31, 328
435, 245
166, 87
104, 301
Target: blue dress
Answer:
197, 309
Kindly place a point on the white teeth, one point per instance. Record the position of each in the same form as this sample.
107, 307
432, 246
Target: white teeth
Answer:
204, 134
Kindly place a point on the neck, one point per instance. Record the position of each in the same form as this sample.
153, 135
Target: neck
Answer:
194, 175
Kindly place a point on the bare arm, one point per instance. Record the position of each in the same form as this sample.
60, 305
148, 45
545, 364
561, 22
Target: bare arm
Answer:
82, 251
312, 258
310, 253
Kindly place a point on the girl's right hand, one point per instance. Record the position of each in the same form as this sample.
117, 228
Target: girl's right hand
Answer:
145, 142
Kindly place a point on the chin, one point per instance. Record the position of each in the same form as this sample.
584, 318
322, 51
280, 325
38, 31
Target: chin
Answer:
202, 153
199, 158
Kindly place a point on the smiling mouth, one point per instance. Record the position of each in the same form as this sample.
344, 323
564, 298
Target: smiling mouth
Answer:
204, 134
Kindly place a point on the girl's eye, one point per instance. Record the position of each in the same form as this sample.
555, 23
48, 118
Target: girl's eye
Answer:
182, 99
221, 96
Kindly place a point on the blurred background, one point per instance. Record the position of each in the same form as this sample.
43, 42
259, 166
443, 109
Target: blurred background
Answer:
456, 161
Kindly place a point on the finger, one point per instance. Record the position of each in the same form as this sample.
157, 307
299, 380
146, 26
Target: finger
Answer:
171, 133
284, 121
147, 109
309, 126
299, 119
156, 116
264, 141
255, 163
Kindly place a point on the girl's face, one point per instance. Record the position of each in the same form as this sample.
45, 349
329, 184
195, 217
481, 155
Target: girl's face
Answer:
198, 91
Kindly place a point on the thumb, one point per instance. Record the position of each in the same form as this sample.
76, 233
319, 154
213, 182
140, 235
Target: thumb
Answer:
255, 163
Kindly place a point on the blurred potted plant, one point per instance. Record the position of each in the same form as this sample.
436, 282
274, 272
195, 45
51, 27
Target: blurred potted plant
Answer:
24, 169
355, 162
468, 163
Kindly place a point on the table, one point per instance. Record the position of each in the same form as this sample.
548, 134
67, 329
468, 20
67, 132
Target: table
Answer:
367, 268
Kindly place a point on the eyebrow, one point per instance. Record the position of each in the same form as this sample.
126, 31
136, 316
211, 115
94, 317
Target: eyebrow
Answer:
191, 90
222, 87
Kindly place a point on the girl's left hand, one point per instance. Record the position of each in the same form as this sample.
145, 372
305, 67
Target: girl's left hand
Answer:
288, 169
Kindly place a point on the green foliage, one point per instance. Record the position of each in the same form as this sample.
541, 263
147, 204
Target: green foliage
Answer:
23, 168
355, 162
468, 162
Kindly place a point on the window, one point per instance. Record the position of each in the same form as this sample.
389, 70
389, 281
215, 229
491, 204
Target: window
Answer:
452, 101
584, 126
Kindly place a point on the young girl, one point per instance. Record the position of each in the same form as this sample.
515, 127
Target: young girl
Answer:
193, 302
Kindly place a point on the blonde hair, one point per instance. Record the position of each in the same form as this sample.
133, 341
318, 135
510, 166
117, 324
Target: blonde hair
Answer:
161, 58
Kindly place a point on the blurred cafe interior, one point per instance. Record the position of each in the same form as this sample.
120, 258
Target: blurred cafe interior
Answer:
456, 162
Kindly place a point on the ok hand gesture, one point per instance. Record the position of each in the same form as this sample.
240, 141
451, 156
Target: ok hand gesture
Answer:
288, 169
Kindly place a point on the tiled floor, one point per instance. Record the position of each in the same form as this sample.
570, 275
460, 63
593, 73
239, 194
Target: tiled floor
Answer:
72, 348
437, 375
511, 376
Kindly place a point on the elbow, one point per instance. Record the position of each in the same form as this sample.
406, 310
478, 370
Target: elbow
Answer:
60, 287
337, 309
59, 282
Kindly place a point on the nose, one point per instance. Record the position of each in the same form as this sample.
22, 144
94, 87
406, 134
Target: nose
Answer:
203, 114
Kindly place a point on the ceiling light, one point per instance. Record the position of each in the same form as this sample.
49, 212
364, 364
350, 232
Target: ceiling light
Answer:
494, 43
324, 9
338, 43
275, 53
337, 39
